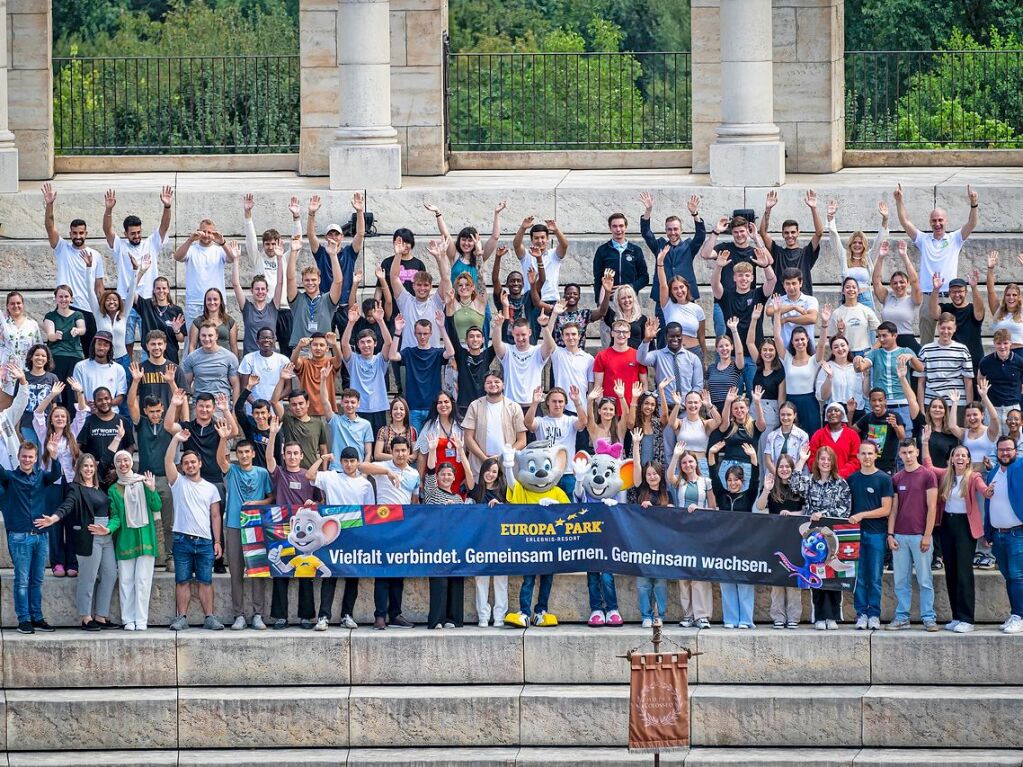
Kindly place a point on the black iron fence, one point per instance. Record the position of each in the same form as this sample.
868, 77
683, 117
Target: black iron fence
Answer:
959, 99
549, 101
176, 104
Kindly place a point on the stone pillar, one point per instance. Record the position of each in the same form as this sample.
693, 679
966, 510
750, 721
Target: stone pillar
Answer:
706, 94
320, 88
8, 152
27, 92
365, 154
748, 150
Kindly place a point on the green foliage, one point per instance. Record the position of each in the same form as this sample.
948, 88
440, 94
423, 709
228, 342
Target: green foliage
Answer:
172, 100
907, 25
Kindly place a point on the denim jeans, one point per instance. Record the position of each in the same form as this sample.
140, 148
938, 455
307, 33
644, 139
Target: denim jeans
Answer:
603, 595
737, 603
870, 571
193, 559
526, 592
417, 418
749, 369
1008, 550
29, 552
719, 321
904, 560
133, 328
658, 587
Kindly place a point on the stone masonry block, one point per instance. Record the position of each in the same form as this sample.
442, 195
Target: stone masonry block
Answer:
417, 95
263, 717
470, 656
398, 38
802, 91
819, 34
745, 715
321, 97
30, 34
35, 152
575, 715
424, 32
167, 758
783, 34
27, 110
279, 757
63, 660
763, 757
293, 657
425, 152
53, 720
318, 41
446, 757
946, 757
983, 656
411, 716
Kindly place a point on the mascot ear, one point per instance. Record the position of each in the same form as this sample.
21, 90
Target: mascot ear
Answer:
330, 530
561, 458
582, 455
626, 471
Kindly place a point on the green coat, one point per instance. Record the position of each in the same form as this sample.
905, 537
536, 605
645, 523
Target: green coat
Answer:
132, 542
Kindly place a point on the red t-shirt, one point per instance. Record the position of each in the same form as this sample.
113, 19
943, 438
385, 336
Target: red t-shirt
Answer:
911, 488
618, 366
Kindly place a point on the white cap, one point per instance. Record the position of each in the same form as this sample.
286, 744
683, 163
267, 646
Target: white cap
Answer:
334, 228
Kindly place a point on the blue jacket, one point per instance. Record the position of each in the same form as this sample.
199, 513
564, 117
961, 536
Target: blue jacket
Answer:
1014, 476
629, 267
679, 260
24, 497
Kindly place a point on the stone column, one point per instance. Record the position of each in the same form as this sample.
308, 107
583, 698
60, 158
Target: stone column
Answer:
8, 152
748, 150
365, 154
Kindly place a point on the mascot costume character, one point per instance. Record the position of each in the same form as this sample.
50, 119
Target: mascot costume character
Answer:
533, 474
602, 478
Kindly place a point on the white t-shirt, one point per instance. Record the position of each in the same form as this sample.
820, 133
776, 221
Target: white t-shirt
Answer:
689, 316
413, 311
267, 368
204, 269
71, 270
192, 502
339, 488
902, 311
561, 429
799, 379
859, 321
92, 375
803, 302
388, 493
522, 372
124, 252
1000, 510
495, 434
955, 503
551, 290
941, 256
573, 370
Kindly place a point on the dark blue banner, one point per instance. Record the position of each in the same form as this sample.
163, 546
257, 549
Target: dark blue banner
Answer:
424, 540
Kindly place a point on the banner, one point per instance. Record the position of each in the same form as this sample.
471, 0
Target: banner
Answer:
509, 539
659, 702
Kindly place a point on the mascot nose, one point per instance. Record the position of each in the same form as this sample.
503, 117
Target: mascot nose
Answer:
299, 534
598, 480
541, 474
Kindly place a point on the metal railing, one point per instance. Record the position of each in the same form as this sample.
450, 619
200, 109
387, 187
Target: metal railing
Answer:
568, 101
176, 104
956, 99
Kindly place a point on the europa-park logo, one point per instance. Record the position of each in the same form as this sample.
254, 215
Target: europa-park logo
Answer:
569, 524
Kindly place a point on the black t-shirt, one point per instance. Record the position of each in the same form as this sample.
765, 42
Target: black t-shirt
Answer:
407, 272
802, 258
968, 329
873, 428
732, 450
204, 440
96, 436
738, 255
789, 502
940, 446
159, 318
39, 388
154, 385
472, 371
741, 305
867, 491
771, 382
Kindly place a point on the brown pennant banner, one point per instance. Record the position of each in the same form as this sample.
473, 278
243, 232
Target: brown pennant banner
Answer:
659, 702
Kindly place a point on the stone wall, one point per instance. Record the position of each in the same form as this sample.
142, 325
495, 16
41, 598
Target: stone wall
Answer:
30, 84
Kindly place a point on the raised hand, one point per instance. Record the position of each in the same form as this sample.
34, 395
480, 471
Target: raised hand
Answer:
275, 424
49, 195
903, 249
637, 389
223, 428
749, 450
832, 209
883, 249
971, 195
499, 208
136, 371
295, 207
882, 208
768, 482
772, 200
527, 222
937, 280
666, 382
399, 324
358, 203
619, 389
897, 194
248, 202
733, 393
992, 259
758, 393
811, 199
826, 311
607, 282
109, 200
253, 380
732, 323
663, 254
758, 310
167, 196
648, 203
314, 204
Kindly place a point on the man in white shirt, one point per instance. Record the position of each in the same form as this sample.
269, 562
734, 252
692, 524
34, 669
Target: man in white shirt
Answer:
523, 363
540, 249
939, 252
572, 366
796, 308
265, 363
558, 427
197, 531
425, 303
78, 266
491, 422
204, 258
264, 261
131, 251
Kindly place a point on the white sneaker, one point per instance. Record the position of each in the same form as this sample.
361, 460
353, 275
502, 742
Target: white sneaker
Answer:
348, 622
874, 624
951, 625
321, 624
1006, 622
129, 627
962, 627
257, 623
449, 625
498, 623
1014, 625
861, 622
239, 624
648, 623
728, 625
482, 624
821, 625
832, 625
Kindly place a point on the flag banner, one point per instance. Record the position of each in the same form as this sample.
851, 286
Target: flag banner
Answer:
509, 539
659, 702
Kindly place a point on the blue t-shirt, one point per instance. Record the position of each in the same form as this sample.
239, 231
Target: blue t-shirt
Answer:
344, 432
244, 487
368, 377
867, 492
422, 375
884, 373
347, 258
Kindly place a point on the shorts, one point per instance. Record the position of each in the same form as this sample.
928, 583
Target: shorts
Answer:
133, 329
193, 559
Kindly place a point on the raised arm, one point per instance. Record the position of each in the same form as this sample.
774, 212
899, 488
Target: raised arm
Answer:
109, 201
818, 227
775, 312
877, 273
900, 210
310, 228
992, 294
236, 279
662, 279
978, 299
336, 276
181, 254
49, 195
765, 220
520, 233
170, 470
971, 222
552, 224
271, 443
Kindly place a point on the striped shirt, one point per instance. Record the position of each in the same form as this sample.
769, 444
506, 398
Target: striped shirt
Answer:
946, 369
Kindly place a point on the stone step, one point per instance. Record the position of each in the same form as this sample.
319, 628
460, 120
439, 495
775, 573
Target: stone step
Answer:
413, 716
569, 600
510, 757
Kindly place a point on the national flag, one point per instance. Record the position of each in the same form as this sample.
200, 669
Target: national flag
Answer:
252, 535
378, 515
345, 516
251, 516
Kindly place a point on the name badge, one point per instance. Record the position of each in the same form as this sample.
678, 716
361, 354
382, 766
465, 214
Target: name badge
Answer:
295, 485
312, 326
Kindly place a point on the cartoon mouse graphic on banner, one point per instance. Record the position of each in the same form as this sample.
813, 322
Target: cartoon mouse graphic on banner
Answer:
310, 532
820, 550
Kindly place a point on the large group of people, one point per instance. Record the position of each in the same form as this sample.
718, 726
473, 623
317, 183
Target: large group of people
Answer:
122, 408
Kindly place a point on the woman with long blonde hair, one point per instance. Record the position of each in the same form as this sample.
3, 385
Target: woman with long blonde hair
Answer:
856, 258
625, 306
1008, 313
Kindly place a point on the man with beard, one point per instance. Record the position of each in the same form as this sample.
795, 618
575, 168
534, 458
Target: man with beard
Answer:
103, 434
1003, 526
78, 266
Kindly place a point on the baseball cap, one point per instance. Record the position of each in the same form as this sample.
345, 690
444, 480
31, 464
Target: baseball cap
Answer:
958, 282
334, 228
106, 335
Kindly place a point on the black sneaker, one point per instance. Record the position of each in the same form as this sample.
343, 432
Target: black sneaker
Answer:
306, 624
280, 623
42, 625
25, 627
109, 624
401, 622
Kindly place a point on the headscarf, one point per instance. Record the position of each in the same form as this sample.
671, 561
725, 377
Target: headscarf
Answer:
136, 512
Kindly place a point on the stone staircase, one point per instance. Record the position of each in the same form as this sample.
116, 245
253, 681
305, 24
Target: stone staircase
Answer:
504, 697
